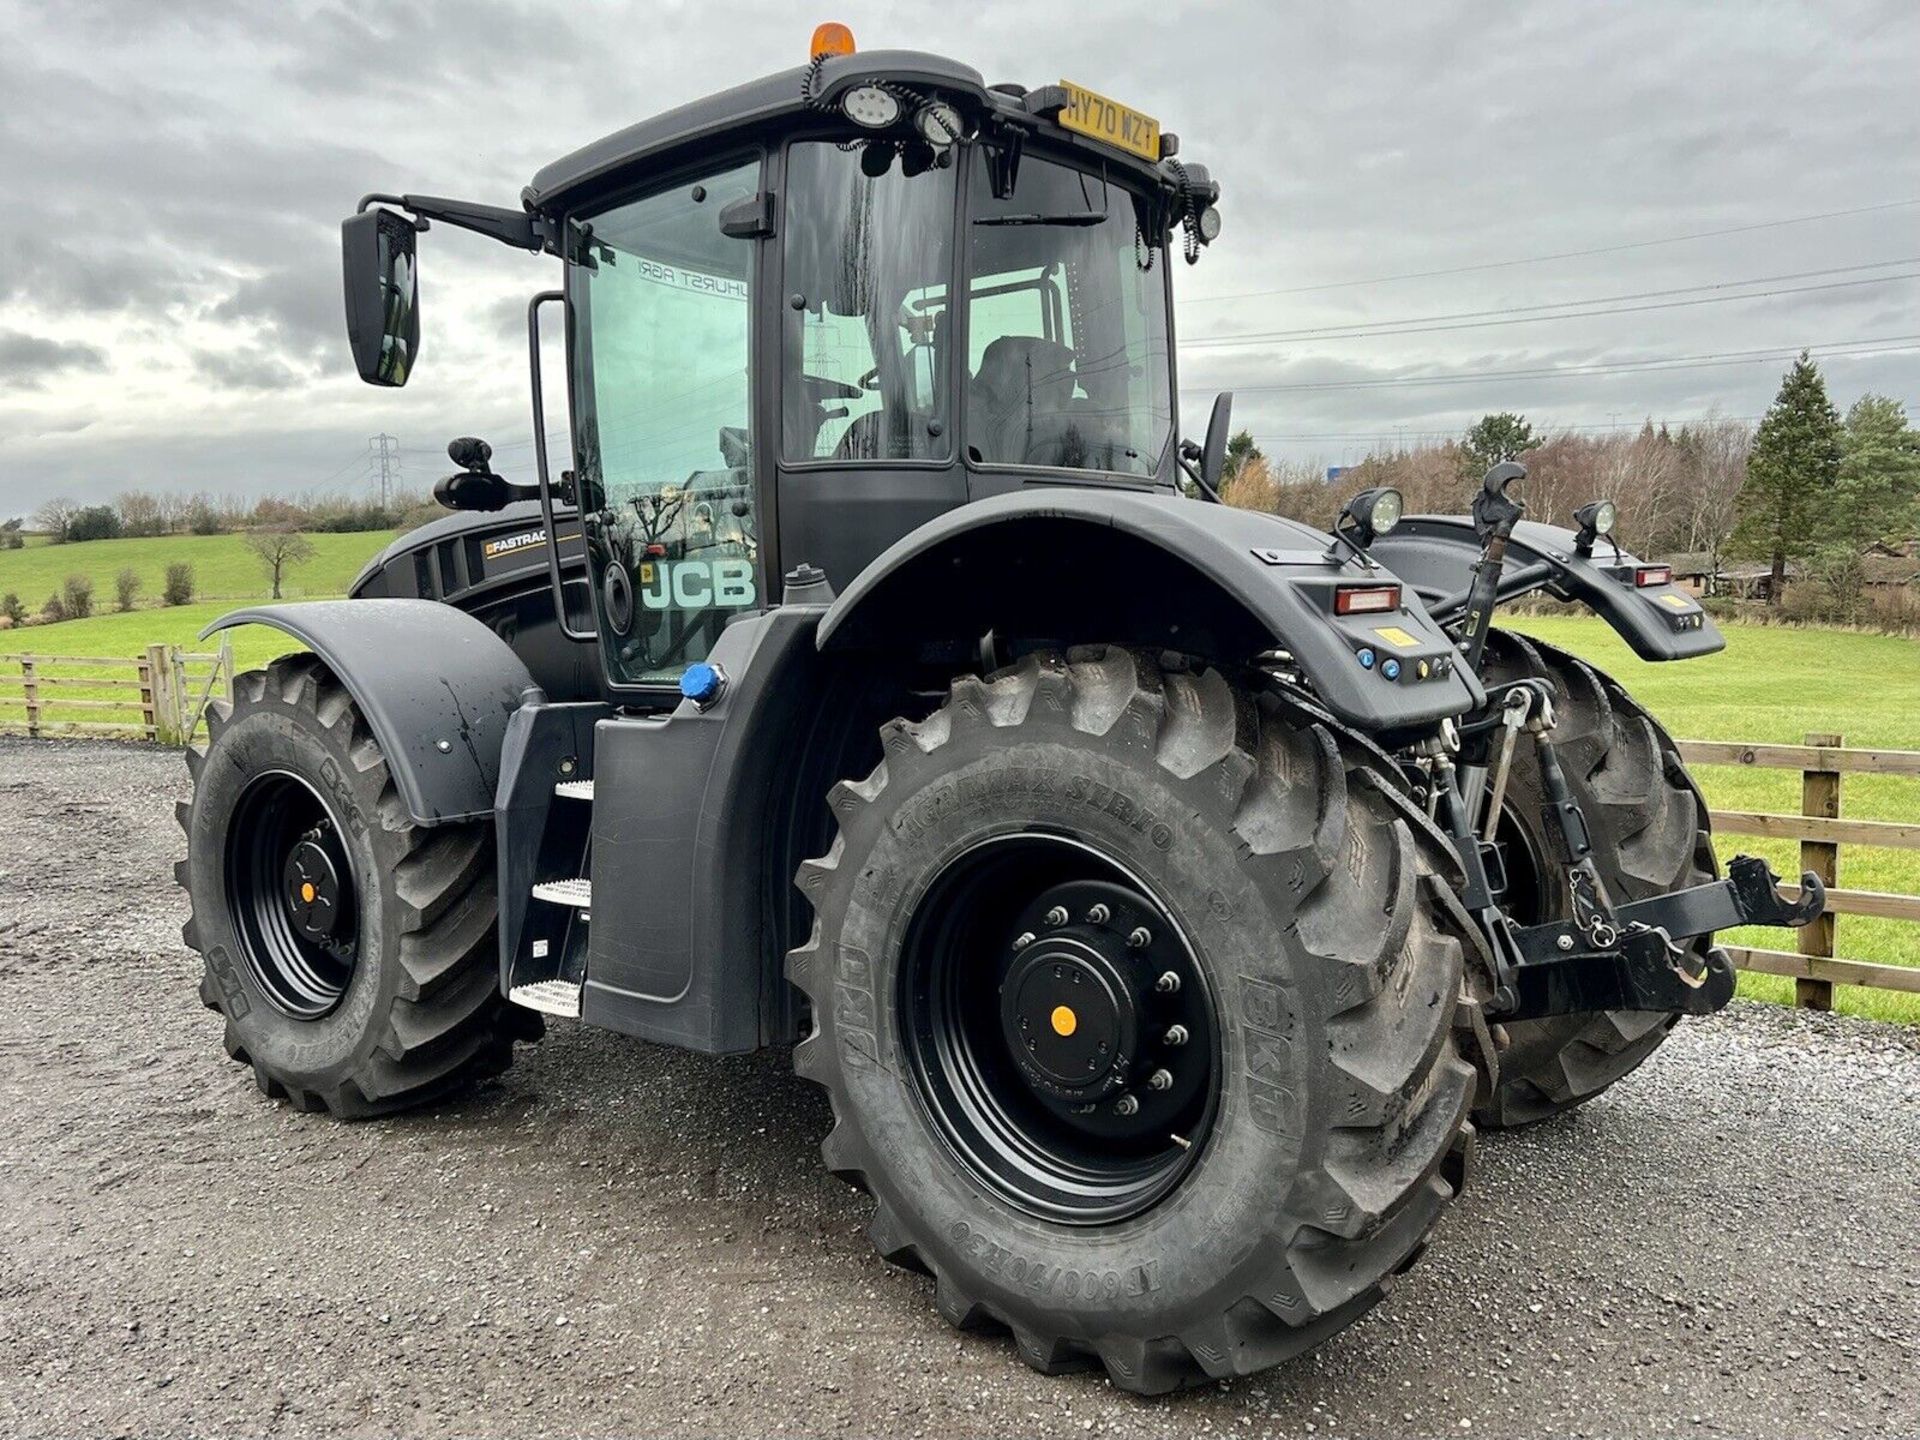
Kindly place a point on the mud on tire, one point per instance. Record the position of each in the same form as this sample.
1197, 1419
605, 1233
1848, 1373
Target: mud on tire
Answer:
420, 1013
1318, 907
1650, 835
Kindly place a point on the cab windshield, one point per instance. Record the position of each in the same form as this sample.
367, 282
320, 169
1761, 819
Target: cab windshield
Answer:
1066, 352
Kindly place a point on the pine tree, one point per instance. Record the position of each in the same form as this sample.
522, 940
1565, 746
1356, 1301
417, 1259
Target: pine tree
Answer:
1878, 490
1493, 438
1787, 502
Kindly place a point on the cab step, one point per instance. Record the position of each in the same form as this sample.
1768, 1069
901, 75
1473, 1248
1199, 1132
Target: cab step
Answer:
549, 997
577, 893
575, 790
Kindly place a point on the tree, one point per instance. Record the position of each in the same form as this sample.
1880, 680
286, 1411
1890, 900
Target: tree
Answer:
126, 585
1787, 499
76, 597
11, 610
179, 587
279, 548
1240, 450
141, 513
10, 536
1494, 438
1877, 491
54, 517
1713, 461
1251, 486
93, 522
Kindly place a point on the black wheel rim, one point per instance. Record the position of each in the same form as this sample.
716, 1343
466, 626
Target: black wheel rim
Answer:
290, 891
1058, 1029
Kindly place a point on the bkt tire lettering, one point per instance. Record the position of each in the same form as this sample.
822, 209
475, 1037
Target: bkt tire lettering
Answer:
699, 585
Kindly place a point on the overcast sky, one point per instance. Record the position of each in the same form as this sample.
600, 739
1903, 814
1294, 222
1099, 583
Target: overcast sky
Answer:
175, 174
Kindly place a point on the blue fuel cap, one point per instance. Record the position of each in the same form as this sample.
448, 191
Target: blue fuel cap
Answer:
702, 683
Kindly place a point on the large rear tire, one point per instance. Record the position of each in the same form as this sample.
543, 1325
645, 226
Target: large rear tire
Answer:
1251, 849
1650, 835
351, 952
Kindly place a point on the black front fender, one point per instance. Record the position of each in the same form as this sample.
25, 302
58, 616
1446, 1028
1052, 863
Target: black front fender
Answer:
435, 686
1066, 565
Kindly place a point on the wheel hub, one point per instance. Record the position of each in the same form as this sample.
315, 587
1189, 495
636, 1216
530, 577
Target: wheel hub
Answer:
1070, 1018
313, 889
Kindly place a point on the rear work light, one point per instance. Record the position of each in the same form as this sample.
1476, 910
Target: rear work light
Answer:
1646, 575
1366, 599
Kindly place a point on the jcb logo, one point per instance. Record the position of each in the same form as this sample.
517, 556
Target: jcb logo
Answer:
697, 585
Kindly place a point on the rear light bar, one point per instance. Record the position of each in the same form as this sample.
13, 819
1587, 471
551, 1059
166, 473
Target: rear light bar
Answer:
1646, 575
1366, 599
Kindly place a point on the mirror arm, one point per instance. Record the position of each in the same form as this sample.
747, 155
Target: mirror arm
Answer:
509, 227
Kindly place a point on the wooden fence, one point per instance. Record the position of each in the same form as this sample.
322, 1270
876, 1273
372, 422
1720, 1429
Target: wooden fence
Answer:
1821, 830
161, 695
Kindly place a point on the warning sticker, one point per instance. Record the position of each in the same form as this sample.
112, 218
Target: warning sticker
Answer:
1678, 602
1396, 637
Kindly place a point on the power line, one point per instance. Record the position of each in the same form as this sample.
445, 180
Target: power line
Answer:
1714, 286
1267, 338
1835, 349
1559, 255
1548, 430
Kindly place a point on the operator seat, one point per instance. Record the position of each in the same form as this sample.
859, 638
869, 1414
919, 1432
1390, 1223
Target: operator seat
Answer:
1021, 400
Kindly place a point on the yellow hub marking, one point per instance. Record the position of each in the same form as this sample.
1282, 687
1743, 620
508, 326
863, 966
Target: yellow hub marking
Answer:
307, 892
1064, 1021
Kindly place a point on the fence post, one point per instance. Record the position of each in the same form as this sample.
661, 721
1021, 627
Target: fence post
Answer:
1819, 795
31, 683
159, 695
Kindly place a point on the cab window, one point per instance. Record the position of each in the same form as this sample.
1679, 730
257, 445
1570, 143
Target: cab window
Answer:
866, 258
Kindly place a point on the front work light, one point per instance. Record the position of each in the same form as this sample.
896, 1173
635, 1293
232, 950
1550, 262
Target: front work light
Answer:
1596, 518
871, 106
1372, 513
939, 124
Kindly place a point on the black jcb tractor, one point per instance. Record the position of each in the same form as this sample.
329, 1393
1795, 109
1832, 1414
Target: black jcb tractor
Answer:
1162, 892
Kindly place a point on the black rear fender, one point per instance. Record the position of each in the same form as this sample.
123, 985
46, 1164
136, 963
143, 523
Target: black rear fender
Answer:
1435, 554
1084, 565
435, 686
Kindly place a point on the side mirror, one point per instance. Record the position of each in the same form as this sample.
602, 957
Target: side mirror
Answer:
1213, 459
382, 294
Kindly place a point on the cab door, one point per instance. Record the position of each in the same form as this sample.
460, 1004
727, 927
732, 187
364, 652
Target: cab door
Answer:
867, 391
662, 307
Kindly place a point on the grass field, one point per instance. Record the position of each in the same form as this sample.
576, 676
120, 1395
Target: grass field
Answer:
1770, 684
223, 568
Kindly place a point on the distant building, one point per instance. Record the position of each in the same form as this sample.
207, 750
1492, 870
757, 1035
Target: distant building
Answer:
1334, 472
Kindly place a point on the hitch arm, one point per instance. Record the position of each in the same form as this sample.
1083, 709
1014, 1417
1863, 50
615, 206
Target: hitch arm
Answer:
1750, 895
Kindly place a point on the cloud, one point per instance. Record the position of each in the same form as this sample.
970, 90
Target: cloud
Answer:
28, 361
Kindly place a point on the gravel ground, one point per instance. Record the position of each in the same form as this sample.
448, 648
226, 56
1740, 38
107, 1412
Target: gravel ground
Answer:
619, 1238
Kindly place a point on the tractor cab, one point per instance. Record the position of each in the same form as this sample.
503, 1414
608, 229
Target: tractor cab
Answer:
767, 365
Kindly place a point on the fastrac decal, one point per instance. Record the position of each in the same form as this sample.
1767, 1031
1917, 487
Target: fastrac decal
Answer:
512, 544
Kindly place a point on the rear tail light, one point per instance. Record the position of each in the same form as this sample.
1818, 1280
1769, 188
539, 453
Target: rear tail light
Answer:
1646, 575
1366, 599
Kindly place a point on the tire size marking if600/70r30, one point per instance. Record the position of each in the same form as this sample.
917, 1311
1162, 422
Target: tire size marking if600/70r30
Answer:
1044, 1279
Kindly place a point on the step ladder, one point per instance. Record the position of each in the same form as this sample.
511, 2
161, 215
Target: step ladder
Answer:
549, 997
559, 997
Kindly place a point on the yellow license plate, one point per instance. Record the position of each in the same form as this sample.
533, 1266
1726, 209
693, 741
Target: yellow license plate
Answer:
1110, 122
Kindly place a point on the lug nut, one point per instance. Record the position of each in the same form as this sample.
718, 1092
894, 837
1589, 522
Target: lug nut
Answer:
1161, 1080
1565, 942
1176, 1035
1168, 982
1126, 1105
1022, 940
1140, 938
1057, 916
1099, 915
